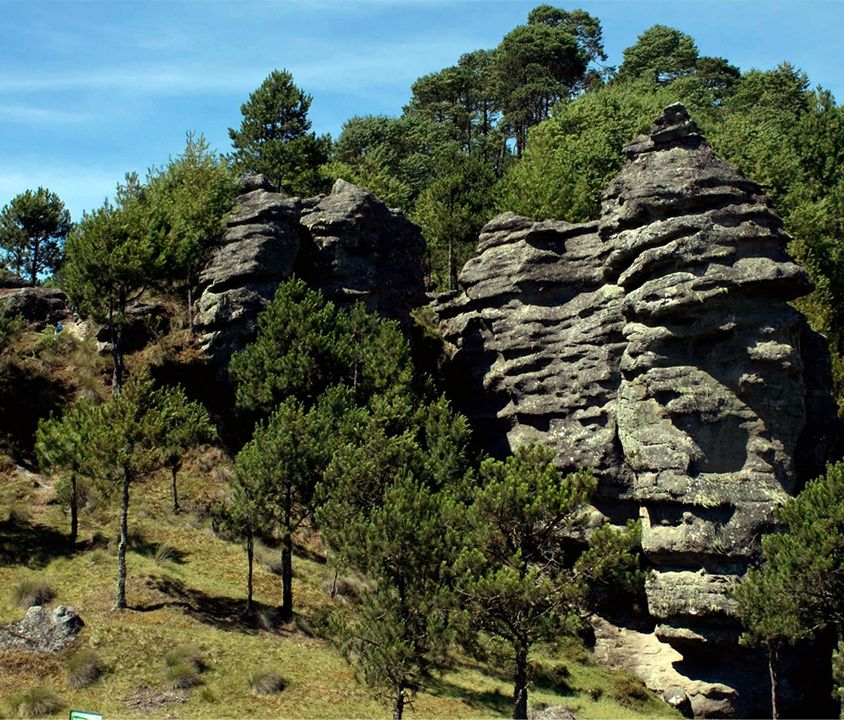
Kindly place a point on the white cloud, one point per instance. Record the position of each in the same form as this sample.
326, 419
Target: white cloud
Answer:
41, 115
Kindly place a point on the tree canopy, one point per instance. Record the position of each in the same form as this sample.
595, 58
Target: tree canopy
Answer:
33, 228
274, 137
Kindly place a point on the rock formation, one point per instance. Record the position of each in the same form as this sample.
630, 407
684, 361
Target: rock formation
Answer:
657, 346
43, 631
347, 243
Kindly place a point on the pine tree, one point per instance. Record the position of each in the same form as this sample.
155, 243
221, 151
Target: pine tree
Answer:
184, 424
281, 466
274, 137
406, 545
799, 590
62, 445
516, 580
33, 228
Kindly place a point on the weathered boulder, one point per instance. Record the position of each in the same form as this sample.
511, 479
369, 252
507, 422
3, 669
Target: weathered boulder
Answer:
37, 305
257, 252
359, 249
145, 321
347, 243
657, 346
43, 631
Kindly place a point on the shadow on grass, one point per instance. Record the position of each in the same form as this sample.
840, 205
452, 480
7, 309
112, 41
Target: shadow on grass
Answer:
488, 703
222, 612
31, 544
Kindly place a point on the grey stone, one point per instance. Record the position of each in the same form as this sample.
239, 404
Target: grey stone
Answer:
36, 305
657, 346
43, 631
347, 244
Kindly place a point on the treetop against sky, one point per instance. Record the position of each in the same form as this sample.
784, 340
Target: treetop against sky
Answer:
91, 90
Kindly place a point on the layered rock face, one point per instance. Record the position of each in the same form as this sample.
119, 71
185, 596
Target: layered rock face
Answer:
347, 243
657, 346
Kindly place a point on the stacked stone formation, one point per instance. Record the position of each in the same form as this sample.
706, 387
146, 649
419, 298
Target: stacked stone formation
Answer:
347, 243
656, 346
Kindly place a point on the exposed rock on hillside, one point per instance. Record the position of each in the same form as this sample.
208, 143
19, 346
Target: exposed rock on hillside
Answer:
347, 243
657, 346
358, 249
36, 305
43, 631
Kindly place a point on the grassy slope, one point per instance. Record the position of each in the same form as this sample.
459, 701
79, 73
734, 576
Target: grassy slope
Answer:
195, 597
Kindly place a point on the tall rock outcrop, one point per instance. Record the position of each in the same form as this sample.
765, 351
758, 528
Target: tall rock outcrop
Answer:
657, 346
347, 243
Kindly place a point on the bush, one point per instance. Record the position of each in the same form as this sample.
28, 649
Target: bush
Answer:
185, 655
165, 553
27, 593
184, 664
266, 682
628, 691
84, 669
35, 702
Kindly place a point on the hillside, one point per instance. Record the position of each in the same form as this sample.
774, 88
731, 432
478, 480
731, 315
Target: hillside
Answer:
186, 587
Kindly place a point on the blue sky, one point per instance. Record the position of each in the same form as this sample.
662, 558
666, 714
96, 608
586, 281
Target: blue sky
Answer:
91, 90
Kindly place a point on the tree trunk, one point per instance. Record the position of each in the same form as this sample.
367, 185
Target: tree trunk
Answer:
74, 512
121, 546
190, 304
35, 259
772, 672
287, 576
452, 265
520, 684
398, 705
117, 344
250, 555
174, 470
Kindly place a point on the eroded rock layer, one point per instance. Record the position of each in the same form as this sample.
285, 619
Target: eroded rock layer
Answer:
657, 346
347, 243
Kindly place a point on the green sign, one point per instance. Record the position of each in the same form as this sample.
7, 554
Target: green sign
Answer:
82, 715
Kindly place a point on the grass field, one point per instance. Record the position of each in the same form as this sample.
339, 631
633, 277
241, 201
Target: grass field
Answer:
186, 588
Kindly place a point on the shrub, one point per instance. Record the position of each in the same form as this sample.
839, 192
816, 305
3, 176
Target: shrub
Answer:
266, 682
35, 702
628, 691
27, 593
84, 669
186, 655
165, 553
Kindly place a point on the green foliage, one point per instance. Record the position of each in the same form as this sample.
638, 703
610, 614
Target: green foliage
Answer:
33, 227
61, 446
516, 577
610, 565
661, 54
10, 327
84, 668
27, 593
273, 138
185, 203
111, 256
799, 589
184, 424
305, 345
406, 545
571, 157
451, 211
838, 671
34, 702
277, 473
